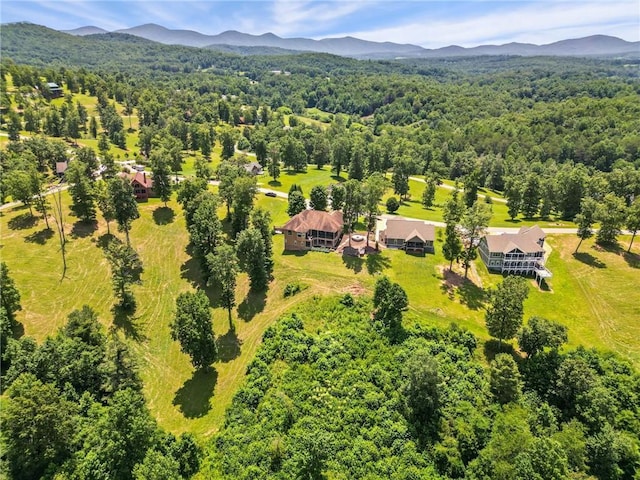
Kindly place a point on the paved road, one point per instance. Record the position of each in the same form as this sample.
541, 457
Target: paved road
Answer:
450, 187
51, 190
547, 230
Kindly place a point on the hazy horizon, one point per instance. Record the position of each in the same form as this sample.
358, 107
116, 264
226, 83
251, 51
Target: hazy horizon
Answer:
430, 24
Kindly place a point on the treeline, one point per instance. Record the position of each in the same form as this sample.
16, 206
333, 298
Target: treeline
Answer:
363, 398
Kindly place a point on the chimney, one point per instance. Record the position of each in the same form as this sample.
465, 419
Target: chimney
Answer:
144, 175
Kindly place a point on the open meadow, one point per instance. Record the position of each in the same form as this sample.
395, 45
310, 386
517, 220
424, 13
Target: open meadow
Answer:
595, 293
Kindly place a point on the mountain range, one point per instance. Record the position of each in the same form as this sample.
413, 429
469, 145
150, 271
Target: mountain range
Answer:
595, 45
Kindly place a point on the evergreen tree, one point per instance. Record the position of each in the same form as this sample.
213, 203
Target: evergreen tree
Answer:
82, 192
297, 204
531, 196
429, 193
125, 270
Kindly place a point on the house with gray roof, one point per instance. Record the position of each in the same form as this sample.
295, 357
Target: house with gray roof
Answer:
519, 253
409, 235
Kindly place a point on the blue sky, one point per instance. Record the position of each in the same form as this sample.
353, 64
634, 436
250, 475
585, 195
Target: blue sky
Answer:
429, 23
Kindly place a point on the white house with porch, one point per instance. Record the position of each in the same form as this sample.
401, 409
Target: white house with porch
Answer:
519, 253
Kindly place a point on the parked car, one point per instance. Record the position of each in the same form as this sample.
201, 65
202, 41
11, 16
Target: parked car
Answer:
271, 194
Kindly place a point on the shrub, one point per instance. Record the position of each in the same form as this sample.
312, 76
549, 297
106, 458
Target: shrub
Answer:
292, 289
392, 205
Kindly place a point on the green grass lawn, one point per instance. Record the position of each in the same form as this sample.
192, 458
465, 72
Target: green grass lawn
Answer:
413, 208
306, 180
595, 294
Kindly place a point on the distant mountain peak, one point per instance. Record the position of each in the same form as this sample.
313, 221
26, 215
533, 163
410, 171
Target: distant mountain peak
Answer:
349, 46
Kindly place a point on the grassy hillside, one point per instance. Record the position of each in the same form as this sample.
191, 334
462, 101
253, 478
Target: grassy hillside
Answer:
594, 293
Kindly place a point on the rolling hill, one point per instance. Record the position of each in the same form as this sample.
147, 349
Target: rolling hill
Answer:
595, 45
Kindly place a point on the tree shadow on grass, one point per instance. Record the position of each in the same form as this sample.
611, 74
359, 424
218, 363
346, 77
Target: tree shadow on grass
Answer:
275, 183
589, 259
377, 262
632, 259
163, 215
124, 319
193, 399
228, 346
295, 253
339, 179
191, 270
351, 260
22, 221
252, 304
82, 229
473, 296
493, 347
40, 237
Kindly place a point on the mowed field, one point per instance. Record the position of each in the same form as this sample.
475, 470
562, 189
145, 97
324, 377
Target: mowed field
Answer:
596, 294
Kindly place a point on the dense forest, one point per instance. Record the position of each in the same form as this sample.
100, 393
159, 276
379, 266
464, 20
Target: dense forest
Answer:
341, 388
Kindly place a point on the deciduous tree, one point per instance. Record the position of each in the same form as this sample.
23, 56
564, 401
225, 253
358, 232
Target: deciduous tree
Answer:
506, 308
452, 247
337, 196
633, 221
244, 192
474, 223
610, 213
318, 197
124, 204
193, 328
389, 301
540, 333
223, 270
38, 427
585, 220
252, 258
504, 379
9, 294
161, 174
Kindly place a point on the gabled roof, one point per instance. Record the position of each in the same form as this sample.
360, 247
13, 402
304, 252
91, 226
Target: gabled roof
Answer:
525, 241
409, 229
535, 233
143, 179
315, 220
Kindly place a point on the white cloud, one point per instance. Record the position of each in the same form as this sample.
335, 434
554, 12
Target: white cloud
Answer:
291, 17
544, 22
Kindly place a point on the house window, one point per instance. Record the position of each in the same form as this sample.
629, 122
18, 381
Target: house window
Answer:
289, 232
300, 235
